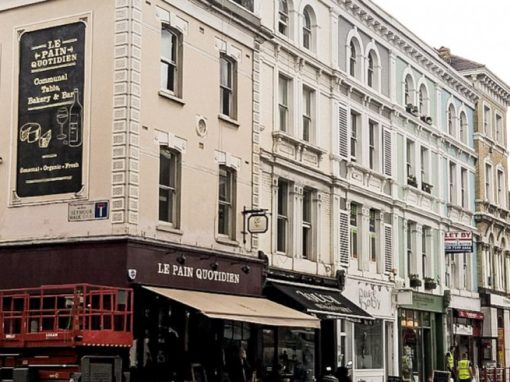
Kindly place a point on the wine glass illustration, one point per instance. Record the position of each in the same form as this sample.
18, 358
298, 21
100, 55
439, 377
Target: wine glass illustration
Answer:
62, 117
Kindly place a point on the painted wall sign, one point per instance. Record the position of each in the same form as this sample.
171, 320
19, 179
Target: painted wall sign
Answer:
458, 242
50, 111
372, 297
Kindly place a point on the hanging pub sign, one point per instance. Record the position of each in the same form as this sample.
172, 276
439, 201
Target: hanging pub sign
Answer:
50, 111
458, 242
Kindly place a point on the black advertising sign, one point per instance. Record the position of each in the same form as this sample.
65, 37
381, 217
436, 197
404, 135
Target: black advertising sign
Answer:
50, 112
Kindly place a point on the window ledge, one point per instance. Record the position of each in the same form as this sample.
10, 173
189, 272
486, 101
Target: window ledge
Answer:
229, 120
172, 97
167, 227
280, 135
227, 241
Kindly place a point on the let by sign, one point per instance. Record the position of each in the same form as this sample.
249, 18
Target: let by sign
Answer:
458, 242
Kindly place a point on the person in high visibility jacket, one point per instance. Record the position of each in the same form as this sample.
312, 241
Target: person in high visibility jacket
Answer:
450, 363
464, 369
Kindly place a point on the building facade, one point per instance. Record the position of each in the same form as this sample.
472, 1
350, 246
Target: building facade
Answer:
491, 206
148, 143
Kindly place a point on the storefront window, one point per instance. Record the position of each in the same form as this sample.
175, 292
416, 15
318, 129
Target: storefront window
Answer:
369, 345
295, 352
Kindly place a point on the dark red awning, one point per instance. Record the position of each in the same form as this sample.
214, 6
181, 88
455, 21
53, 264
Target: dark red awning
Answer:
469, 314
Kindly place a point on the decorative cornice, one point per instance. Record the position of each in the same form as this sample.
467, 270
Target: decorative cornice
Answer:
400, 37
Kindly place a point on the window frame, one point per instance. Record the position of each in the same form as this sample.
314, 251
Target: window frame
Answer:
284, 103
354, 221
171, 62
452, 183
373, 145
172, 188
451, 120
307, 224
464, 187
307, 32
308, 114
228, 204
488, 181
355, 136
373, 223
353, 60
283, 216
283, 17
228, 90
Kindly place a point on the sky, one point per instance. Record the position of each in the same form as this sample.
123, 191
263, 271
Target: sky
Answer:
473, 29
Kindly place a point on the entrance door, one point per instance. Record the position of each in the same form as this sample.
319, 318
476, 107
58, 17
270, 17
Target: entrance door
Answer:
427, 352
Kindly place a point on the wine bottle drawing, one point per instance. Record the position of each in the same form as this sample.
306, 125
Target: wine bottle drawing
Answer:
74, 133
62, 117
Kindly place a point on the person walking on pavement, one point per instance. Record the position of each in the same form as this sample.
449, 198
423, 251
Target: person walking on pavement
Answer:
450, 363
464, 369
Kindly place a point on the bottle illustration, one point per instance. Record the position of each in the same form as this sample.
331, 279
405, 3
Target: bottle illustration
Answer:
74, 134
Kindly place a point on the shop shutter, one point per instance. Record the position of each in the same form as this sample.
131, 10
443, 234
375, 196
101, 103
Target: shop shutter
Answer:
342, 132
388, 248
387, 152
343, 238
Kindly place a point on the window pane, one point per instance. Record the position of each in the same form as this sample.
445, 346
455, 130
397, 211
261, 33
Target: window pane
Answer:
167, 186
369, 346
281, 245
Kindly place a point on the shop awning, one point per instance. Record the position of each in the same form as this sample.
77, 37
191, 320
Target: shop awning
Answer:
474, 315
325, 303
239, 308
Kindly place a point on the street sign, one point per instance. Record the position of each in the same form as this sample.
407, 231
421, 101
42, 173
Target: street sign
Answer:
83, 211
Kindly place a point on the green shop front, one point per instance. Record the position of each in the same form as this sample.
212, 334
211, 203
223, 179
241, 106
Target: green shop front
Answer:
420, 325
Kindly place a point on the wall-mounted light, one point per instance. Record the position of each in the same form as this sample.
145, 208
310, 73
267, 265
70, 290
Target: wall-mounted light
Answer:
214, 265
181, 259
246, 269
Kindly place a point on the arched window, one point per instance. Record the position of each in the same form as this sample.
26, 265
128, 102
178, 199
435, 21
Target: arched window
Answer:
370, 70
307, 28
451, 120
409, 91
463, 127
283, 17
423, 101
352, 59
373, 67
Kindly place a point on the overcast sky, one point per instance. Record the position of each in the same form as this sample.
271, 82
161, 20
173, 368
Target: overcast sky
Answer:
473, 29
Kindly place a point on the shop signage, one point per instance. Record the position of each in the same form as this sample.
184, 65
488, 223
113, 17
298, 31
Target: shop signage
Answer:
194, 270
497, 300
50, 111
458, 242
198, 273
469, 314
426, 302
463, 330
372, 297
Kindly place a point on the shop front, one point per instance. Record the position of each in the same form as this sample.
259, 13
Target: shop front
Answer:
421, 341
322, 298
193, 309
494, 350
465, 321
374, 344
198, 310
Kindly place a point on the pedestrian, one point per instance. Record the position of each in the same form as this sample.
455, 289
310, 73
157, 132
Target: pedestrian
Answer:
342, 373
464, 369
450, 363
240, 369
